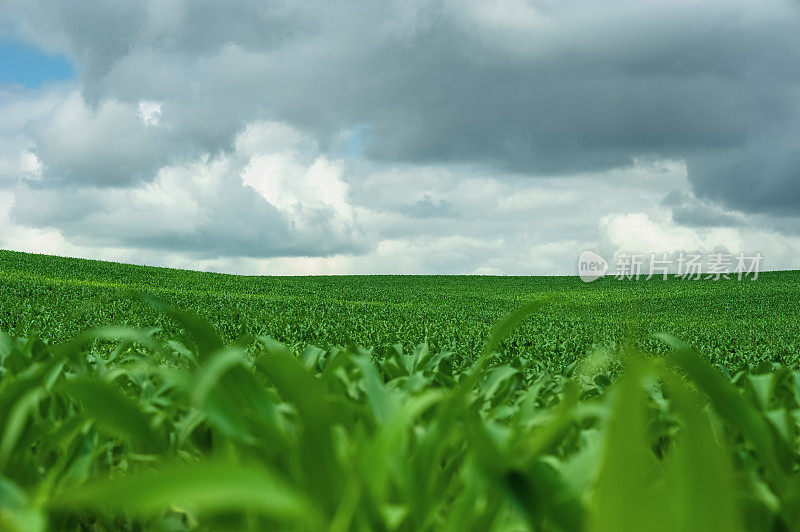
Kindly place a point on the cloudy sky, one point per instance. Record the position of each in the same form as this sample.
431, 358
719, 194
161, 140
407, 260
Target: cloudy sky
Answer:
497, 137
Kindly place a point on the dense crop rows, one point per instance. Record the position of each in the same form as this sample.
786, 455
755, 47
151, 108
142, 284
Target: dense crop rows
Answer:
191, 434
556, 417
732, 323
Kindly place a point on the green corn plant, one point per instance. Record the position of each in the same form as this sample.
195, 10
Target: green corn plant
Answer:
134, 429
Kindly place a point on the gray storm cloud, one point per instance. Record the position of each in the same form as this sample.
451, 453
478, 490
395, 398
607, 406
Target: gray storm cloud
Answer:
543, 88
509, 88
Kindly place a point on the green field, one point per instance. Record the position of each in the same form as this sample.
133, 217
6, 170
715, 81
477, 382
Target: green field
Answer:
732, 323
138, 398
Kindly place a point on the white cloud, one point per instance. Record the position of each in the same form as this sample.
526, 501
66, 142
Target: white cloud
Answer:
108, 144
287, 169
638, 233
17, 110
150, 112
29, 164
35, 240
295, 188
281, 199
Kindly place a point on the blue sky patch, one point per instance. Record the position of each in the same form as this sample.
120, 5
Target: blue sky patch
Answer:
29, 66
358, 140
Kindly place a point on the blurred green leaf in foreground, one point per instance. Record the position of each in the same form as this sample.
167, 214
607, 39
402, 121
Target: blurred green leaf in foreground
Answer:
122, 429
